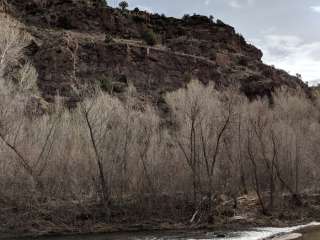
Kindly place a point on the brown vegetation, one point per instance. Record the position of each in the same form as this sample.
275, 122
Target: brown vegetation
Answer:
112, 161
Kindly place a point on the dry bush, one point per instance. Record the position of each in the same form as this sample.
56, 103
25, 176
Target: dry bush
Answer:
12, 41
220, 144
118, 152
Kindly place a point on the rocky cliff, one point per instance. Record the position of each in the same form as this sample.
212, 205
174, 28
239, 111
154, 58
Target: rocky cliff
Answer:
109, 46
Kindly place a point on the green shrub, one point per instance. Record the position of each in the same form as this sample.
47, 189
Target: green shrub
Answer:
220, 23
211, 19
108, 38
105, 83
136, 10
186, 17
101, 3
150, 37
138, 19
187, 76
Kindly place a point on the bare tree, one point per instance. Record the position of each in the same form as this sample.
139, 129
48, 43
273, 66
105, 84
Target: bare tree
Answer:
189, 108
255, 173
211, 144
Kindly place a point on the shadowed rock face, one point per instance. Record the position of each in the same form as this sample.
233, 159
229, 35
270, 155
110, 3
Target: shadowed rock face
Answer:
192, 47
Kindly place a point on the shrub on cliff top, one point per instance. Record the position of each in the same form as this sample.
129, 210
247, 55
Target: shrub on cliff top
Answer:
136, 10
123, 5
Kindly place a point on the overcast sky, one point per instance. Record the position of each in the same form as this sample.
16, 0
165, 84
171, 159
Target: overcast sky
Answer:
287, 31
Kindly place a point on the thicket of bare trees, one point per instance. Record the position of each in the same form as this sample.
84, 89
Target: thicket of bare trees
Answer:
117, 153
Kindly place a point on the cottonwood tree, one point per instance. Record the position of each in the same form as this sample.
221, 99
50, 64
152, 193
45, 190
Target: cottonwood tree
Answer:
16, 129
255, 171
213, 129
109, 124
261, 126
203, 116
89, 110
232, 166
128, 131
239, 129
189, 108
295, 117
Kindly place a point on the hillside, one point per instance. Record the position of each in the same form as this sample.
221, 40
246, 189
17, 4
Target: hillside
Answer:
110, 48
112, 162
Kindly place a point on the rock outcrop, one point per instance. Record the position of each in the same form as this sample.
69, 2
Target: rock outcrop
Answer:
107, 45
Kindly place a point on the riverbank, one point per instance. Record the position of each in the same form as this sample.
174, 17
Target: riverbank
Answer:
65, 218
311, 230
307, 232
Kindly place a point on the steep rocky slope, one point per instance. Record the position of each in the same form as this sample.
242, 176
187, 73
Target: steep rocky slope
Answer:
106, 45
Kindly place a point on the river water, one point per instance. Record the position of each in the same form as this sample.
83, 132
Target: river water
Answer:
253, 234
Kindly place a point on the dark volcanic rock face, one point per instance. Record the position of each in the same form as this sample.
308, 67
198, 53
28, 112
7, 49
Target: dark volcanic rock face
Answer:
70, 33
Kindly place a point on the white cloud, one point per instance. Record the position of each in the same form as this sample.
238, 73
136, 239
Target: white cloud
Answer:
269, 30
251, 2
235, 4
145, 8
292, 54
315, 9
241, 3
207, 2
